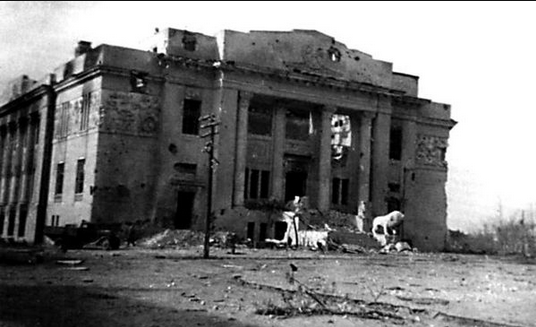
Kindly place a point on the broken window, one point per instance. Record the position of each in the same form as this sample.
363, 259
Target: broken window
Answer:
257, 184
260, 121
60, 171
341, 136
339, 191
185, 168
138, 81
442, 154
79, 183
190, 116
298, 125
395, 144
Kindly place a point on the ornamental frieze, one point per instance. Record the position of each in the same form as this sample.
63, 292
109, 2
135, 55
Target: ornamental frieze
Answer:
130, 113
431, 150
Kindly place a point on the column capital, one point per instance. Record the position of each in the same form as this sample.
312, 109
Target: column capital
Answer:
245, 96
329, 108
367, 115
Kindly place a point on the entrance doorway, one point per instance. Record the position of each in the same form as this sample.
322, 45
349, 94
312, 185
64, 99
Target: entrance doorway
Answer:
185, 209
295, 184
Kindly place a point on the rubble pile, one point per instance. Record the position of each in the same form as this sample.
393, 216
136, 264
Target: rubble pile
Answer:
173, 238
340, 220
331, 220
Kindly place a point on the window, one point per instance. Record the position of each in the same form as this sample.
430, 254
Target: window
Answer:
189, 41
23, 214
250, 231
63, 126
393, 204
395, 145
84, 112
260, 121
11, 222
55, 220
60, 171
190, 118
79, 183
297, 125
257, 184
339, 191
394, 187
35, 126
2, 218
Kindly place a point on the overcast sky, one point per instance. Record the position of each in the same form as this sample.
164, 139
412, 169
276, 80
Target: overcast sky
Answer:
480, 57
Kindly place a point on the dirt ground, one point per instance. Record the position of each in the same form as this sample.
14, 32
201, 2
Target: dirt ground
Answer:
175, 287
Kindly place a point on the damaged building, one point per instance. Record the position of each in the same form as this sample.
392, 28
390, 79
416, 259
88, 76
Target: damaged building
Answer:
113, 136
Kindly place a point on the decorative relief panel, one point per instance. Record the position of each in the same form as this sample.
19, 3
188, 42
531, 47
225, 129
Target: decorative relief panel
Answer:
431, 150
298, 147
259, 150
130, 113
68, 115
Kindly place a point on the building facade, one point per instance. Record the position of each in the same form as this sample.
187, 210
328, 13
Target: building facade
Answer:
116, 135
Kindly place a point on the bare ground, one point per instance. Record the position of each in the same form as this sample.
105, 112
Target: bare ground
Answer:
140, 287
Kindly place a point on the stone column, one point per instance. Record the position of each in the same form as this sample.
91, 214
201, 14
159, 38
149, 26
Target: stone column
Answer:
324, 159
278, 137
380, 163
364, 169
26, 143
409, 143
6, 169
3, 145
16, 164
409, 147
11, 207
241, 148
3, 149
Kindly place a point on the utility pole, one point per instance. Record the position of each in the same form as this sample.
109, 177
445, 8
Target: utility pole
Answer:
209, 121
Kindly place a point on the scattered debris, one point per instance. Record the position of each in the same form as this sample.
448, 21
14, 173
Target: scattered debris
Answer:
77, 268
173, 238
71, 262
424, 301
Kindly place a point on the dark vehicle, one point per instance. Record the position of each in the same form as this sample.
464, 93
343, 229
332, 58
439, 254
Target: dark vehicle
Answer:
85, 236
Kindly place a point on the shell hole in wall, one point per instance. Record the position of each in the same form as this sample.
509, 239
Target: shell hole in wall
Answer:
334, 54
172, 148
